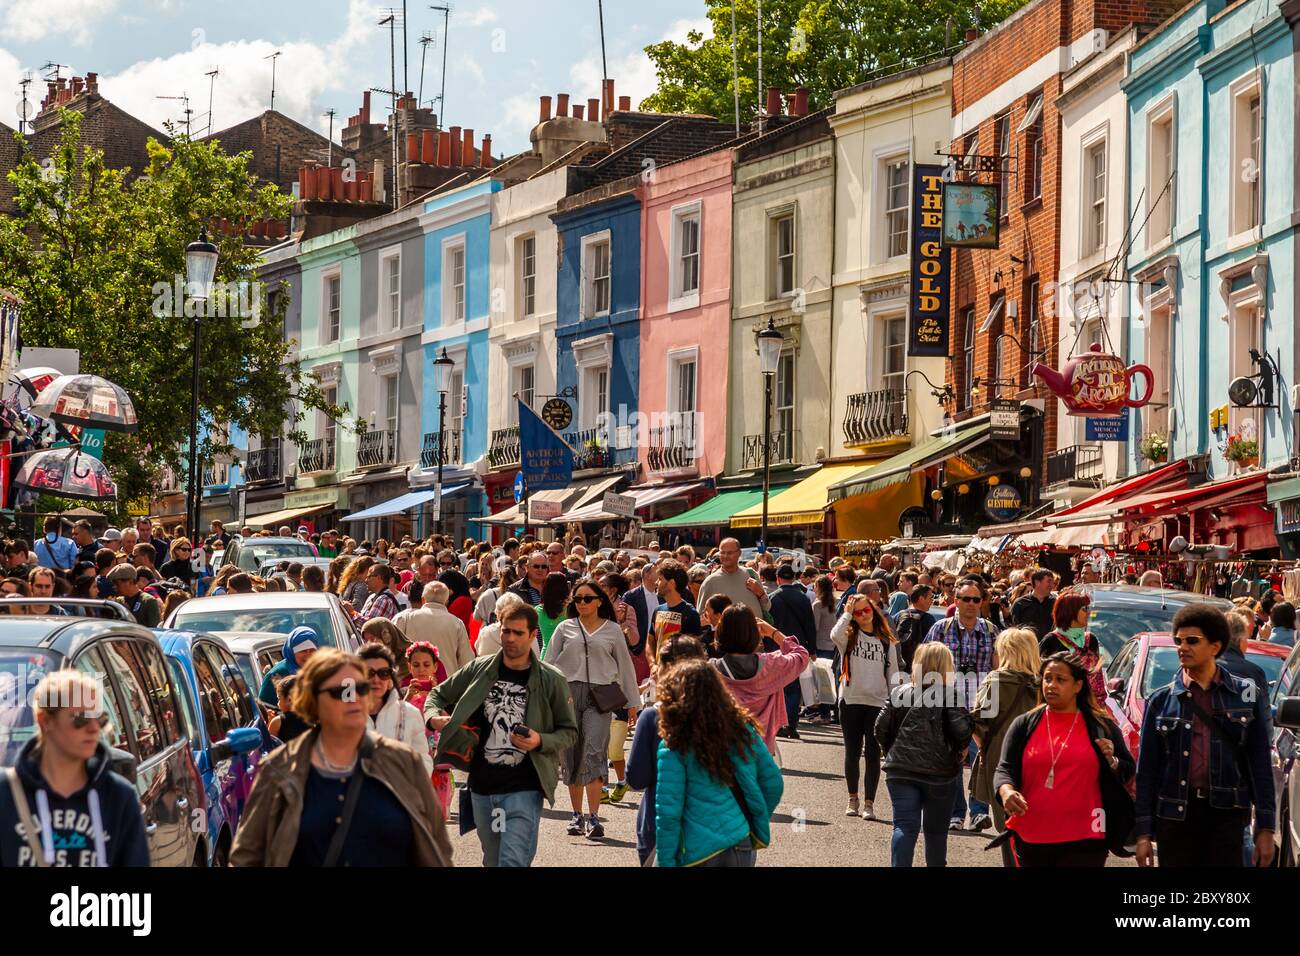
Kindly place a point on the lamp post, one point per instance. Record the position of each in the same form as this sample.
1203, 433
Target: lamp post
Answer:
444, 365
770, 342
200, 269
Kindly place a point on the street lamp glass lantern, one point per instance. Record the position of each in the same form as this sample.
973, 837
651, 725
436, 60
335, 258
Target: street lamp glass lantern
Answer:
770, 343
443, 365
200, 267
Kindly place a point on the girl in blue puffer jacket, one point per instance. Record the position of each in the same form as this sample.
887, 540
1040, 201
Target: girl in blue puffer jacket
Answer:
717, 783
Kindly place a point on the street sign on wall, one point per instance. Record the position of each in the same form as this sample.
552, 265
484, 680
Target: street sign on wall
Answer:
927, 313
1004, 420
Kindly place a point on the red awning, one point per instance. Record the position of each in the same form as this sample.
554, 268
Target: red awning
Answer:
1234, 490
1172, 475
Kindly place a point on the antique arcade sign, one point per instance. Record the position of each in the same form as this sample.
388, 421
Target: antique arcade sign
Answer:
927, 329
1096, 384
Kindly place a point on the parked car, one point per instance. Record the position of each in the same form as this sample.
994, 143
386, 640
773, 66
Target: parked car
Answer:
269, 565
1120, 611
274, 612
1286, 751
223, 719
1149, 662
255, 653
251, 553
144, 701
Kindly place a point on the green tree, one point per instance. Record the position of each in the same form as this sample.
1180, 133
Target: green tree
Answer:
823, 45
90, 252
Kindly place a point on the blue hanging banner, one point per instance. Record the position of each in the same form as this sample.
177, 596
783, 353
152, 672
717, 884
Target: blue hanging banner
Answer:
546, 460
1106, 429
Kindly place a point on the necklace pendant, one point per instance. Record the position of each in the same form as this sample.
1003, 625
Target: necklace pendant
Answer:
1051, 777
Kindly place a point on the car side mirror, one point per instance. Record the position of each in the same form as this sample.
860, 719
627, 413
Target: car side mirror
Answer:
1288, 713
1116, 687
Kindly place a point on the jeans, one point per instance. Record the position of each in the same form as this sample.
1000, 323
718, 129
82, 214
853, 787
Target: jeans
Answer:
977, 807
1075, 853
742, 854
793, 704
920, 807
507, 826
859, 724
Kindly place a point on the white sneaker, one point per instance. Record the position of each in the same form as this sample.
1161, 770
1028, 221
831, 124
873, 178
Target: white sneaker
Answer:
868, 811
852, 810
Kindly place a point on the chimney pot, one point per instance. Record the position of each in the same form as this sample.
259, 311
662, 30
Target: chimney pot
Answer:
455, 146
412, 147
773, 101
593, 110
545, 109
428, 153
577, 111
562, 104
365, 107
76, 85
337, 178
625, 103
467, 147
607, 103
350, 190
444, 148
364, 189
972, 35
485, 154
800, 105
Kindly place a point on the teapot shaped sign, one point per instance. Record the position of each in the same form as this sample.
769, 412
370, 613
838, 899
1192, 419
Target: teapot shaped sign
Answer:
1096, 384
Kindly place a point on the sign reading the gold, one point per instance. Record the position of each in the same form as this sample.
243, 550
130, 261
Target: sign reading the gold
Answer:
927, 326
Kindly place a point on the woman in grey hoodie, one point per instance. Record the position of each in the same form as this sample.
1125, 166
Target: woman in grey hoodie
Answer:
868, 666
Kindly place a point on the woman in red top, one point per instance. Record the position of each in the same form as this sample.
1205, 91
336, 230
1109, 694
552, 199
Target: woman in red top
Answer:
1062, 774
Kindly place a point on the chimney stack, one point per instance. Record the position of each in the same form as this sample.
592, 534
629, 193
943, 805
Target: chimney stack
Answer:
774, 101
577, 111
625, 103
562, 104
485, 154
545, 109
428, 153
92, 82
455, 146
593, 110
444, 148
467, 147
972, 35
800, 105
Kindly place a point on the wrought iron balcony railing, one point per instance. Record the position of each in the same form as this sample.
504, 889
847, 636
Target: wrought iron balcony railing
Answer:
1077, 464
592, 448
784, 448
266, 464
503, 449
376, 448
315, 455
451, 454
672, 447
875, 416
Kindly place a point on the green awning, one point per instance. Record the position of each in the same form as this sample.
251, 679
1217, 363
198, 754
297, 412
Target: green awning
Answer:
1283, 490
896, 470
717, 510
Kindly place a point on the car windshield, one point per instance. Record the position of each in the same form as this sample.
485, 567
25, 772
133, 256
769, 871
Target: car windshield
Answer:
271, 619
279, 551
1115, 624
20, 671
1162, 665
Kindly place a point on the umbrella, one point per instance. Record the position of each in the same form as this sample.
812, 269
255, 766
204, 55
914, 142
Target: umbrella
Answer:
88, 401
68, 473
36, 378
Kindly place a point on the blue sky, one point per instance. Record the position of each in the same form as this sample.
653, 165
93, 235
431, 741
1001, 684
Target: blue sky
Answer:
502, 55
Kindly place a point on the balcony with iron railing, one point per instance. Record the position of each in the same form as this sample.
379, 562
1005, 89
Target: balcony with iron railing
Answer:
591, 448
315, 455
216, 475
784, 449
451, 454
266, 464
376, 448
672, 447
875, 416
1077, 464
503, 449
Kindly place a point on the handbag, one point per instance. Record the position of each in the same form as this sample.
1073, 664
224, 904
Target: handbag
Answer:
607, 697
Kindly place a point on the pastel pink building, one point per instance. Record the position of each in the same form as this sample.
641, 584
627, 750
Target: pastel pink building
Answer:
686, 316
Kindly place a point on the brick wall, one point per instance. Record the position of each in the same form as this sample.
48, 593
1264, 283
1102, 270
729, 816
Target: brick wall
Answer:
273, 132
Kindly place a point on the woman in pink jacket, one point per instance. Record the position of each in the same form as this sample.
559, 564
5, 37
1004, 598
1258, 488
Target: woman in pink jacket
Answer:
756, 680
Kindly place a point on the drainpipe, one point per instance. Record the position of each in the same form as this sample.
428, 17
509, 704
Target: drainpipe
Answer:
1126, 343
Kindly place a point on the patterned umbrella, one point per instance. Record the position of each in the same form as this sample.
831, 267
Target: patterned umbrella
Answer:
88, 401
68, 473
35, 379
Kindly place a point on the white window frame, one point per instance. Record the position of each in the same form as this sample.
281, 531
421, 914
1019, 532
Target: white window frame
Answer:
876, 379
329, 427
328, 334
679, 297
1002, 134
677, 358
775, 217
1158, 210
390, 389
1244, 215
1245, 320
524, 277
591, 357
517, 387
968, 355
588, 290
885, 158
387, 322
450, 247
1092, 235
784, 436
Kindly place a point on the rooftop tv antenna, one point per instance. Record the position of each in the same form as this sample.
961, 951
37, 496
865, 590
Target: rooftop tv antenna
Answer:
184, 98
25, 104
212, 75
425, 40
273, 57
53, 71
329, 162
442, 96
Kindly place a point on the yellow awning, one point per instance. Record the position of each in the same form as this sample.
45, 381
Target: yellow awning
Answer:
800, 504
875, 515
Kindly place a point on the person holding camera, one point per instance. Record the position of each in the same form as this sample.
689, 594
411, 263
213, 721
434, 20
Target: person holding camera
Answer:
505, 719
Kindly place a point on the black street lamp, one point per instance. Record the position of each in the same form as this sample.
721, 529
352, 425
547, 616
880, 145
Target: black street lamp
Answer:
444, 364
770, 342
200, 269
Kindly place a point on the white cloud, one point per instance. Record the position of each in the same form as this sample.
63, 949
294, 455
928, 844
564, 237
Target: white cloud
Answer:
475, 18
11, 74
472, 67
633, 73
26, 21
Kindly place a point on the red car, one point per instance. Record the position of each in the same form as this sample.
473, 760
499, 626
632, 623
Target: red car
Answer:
1150, 661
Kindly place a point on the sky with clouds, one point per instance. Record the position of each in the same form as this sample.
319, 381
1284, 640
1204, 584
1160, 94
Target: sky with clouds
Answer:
501, 55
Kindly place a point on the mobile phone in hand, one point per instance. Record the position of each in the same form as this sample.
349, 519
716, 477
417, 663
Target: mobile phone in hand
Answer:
521, 730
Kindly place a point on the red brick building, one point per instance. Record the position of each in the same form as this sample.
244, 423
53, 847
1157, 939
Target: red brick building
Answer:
1005, 85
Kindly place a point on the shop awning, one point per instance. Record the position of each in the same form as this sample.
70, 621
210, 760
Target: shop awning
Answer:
1174, 473
717, 510
1285, 490
800, 504
896, 470
395, 506
1201, 496
287, 516
594, 509
574, 496
1067, 536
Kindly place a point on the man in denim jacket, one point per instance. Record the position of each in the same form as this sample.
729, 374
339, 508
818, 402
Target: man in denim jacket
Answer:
1196, 783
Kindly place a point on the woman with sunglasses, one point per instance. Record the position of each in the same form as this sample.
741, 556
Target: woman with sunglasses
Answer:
85, 814
179, 566
340, 795
868, 666
1063, 775
590, 650
1071, 635
390, 715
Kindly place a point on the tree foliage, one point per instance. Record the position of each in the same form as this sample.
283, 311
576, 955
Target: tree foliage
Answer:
824, 45
88, 251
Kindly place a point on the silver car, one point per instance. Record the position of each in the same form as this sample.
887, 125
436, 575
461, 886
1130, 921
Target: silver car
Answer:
270, 612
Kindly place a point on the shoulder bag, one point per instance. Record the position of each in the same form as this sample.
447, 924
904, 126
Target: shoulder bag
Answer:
25, 814
607, 697
349, 809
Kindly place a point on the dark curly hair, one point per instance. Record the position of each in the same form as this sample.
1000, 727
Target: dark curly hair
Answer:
698, 715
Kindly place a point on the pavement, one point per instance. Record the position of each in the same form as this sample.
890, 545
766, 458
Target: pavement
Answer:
809, 827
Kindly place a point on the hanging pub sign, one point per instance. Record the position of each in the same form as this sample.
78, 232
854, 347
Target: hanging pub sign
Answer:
927, 327
970, 215
1095, 384
1004, 419
1002, 503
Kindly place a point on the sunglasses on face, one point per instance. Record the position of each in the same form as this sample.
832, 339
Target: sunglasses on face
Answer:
383, 673
1190, 640
361, 689
446, 564
539, 567
79, 721
968, 599
183, 550
584, 598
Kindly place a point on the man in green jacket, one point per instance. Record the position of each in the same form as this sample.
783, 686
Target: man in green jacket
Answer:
510, 717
